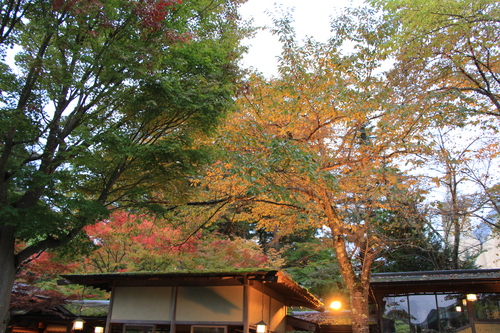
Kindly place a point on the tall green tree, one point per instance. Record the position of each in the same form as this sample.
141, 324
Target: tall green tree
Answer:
100, 108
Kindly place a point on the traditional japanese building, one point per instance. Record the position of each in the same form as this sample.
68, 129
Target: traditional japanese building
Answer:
465, 301
204, 302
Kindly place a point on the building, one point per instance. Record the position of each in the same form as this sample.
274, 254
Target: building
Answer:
490, 257
466, 301
203, 302
460, 301
60, 318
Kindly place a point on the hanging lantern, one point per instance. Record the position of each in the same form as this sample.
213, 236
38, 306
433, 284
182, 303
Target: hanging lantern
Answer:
78, 324
471, 297
99, 329
261, 327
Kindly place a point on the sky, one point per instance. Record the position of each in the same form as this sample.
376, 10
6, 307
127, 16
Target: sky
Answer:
312, 18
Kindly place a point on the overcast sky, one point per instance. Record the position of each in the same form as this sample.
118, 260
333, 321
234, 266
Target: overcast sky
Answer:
312, 18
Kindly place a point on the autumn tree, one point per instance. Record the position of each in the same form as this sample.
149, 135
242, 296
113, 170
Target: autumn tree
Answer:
131, 242
99, 109
446, 56
35, 289
319, 142
447, 50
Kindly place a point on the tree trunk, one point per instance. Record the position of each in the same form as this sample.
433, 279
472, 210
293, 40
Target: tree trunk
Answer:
360, 311
7, 273
358, 286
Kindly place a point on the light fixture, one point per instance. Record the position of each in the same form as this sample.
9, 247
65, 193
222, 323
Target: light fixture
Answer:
99, 329
471, 297
336, 305
78, 324
261, 327
458, 308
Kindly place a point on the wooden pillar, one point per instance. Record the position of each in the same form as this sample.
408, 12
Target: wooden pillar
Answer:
246, 305
173, 313
107, 328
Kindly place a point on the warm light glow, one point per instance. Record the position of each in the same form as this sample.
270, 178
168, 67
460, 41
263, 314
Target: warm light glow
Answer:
458, 308
261, 327
471, 297
335, 305
78, 324
99, 329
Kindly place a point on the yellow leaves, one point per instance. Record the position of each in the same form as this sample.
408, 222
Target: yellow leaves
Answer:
488, 152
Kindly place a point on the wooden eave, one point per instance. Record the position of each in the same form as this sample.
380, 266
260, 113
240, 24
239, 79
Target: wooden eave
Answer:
275, 282
445, 281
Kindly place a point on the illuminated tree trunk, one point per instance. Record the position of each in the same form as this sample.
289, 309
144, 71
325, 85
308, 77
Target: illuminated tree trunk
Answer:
357, 284
359, 309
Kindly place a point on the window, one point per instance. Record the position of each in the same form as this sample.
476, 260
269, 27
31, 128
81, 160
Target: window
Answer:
423, 312
138, 328
162, 328
487, 306
208, 329
430, 312
452, 312
396, 315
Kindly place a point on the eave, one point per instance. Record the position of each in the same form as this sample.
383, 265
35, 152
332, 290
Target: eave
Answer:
482, 280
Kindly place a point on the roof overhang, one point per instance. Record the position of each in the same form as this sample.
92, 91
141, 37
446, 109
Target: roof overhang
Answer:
476, 280
274, 280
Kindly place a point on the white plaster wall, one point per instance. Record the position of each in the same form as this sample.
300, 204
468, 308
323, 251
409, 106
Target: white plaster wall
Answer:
210, 304
142, 303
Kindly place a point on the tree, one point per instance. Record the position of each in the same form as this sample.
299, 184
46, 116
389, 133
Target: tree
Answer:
34, 289
411, 242
100, 110
320, 142
460, 203
447, 57
124, 241
481, 170
448, 50
313, 265
128, 242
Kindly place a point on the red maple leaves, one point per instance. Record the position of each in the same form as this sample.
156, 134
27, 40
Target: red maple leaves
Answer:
151, 13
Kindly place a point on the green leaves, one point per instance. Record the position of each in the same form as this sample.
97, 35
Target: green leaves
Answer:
449, 49
108, 105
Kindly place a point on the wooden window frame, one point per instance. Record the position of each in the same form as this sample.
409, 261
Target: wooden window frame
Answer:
209, 326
